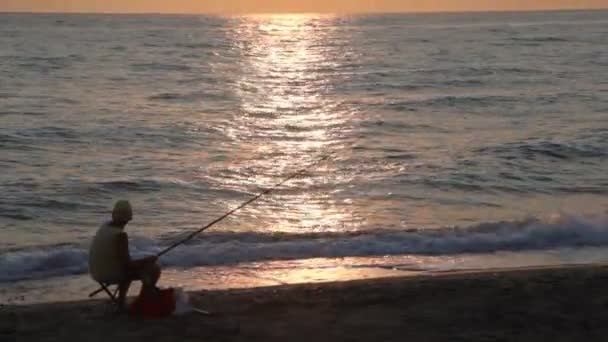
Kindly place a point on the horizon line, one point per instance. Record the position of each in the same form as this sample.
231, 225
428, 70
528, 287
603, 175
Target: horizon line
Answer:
582, 9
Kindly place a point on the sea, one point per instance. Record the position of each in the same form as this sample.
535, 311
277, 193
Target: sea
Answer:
420, 143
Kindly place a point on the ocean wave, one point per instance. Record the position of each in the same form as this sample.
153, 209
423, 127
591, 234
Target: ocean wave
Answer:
38, 264
482, 71
8, 139
166, 96
464, 83
451, 101
204, 45
398, 125
5, 95
20, 113
17, 143
140, 185
185, 97
159, 67
533, 150
15, 214
50, 204
47, 63
65, 134
540, 39
232, 248
147, 185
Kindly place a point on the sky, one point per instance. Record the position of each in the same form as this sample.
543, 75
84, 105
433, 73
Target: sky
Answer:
274, 6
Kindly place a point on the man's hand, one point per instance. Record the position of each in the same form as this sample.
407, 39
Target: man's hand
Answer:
151, 259
138, 263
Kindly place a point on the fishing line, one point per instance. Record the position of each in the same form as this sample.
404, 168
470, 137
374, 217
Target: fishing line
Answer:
241, 206
244, 204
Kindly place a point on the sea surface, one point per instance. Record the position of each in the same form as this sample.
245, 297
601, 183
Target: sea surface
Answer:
453, 140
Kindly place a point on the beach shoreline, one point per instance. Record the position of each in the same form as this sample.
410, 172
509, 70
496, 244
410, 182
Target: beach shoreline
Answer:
525, 304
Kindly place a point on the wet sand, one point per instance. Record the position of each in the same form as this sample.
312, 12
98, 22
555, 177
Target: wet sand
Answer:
547, 304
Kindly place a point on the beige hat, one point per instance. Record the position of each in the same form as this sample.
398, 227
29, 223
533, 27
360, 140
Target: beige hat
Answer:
122, 211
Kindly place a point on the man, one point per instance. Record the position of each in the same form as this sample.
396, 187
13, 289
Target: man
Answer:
109, 258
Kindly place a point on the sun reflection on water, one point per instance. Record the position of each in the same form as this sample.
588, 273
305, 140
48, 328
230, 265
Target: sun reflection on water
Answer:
287, 119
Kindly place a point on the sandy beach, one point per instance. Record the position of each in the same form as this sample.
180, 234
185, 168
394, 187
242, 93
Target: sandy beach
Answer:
556, 304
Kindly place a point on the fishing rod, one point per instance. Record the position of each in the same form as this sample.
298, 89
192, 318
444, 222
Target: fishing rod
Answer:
209, 225
265, 192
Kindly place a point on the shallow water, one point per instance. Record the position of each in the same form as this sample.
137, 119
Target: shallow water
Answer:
432, 122
276, 273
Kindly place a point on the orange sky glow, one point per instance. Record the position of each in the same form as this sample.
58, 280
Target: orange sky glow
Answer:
289, 6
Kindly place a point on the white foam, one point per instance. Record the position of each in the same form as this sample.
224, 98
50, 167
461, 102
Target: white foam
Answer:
42, 263
557, 232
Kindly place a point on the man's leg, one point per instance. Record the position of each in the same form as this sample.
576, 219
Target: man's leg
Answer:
147, 271
150, 273
123, 288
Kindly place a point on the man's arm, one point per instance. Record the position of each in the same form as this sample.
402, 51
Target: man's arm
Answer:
125, 256
122, 241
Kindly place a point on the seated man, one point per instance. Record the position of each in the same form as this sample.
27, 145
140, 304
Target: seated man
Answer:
109, 258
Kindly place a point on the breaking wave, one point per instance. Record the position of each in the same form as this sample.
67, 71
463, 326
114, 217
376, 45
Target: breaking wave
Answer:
232, 248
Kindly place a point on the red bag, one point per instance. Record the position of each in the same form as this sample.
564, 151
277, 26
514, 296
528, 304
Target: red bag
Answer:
153, 305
